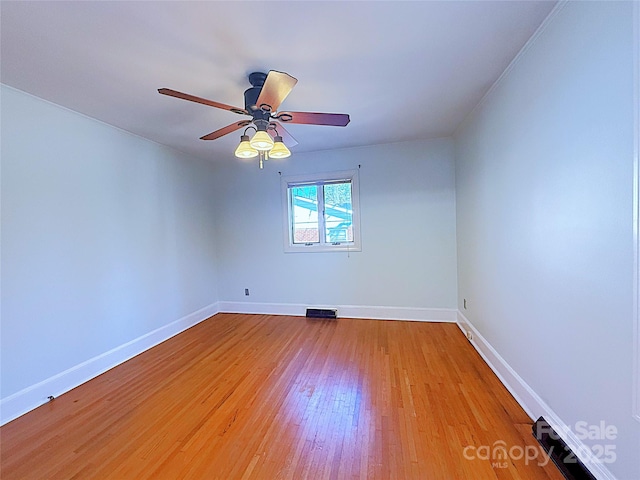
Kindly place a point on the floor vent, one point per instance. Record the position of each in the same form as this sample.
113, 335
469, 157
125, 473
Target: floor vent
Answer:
322, 313
565, 459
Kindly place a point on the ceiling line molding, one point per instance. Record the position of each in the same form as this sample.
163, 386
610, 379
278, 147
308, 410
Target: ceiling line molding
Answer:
543, 26
101, 122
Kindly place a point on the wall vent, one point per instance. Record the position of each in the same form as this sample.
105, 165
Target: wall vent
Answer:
322, 313
565, 459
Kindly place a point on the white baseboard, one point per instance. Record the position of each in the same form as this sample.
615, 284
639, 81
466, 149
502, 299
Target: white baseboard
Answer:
529, 400
33, 396
345, 311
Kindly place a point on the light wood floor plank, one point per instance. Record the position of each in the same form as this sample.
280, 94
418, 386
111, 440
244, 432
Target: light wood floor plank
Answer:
274, 397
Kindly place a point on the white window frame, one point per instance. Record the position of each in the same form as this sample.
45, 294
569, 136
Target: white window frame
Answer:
287, 212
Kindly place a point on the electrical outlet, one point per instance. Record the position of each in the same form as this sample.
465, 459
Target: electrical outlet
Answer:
246, 292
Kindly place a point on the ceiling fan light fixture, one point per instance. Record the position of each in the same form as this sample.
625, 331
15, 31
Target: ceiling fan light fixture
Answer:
262, 102
262, 141
279, 149
245, 150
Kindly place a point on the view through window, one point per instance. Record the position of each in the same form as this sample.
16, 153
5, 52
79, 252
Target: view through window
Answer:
320, 212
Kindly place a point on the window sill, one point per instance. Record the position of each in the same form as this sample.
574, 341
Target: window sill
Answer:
315, 248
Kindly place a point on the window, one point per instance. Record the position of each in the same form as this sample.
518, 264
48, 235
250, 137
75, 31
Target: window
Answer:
321, 212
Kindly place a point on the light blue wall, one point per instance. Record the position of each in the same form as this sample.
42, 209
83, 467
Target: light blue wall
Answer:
105, 237
408, 256
544, 183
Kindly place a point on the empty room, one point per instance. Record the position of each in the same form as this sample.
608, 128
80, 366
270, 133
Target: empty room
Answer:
320, 240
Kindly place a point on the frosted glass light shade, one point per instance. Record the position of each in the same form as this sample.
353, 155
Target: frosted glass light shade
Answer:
279, 149
245, 150
262, 141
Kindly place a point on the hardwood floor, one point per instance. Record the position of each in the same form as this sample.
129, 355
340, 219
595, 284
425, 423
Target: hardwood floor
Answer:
270, 397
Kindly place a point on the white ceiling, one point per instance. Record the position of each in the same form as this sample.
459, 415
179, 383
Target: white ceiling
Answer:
402, 70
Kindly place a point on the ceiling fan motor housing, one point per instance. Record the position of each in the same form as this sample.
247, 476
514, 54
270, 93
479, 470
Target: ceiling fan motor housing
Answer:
251, 95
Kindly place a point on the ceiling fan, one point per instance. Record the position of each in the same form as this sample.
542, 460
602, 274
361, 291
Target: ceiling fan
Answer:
261, 102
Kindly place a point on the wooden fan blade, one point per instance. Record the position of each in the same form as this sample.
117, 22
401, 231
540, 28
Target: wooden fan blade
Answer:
228, 129
287, 138
311, 118
275, 89
204, 101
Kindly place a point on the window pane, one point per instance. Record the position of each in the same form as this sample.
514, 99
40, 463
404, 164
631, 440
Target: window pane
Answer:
338, 212
304, 221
